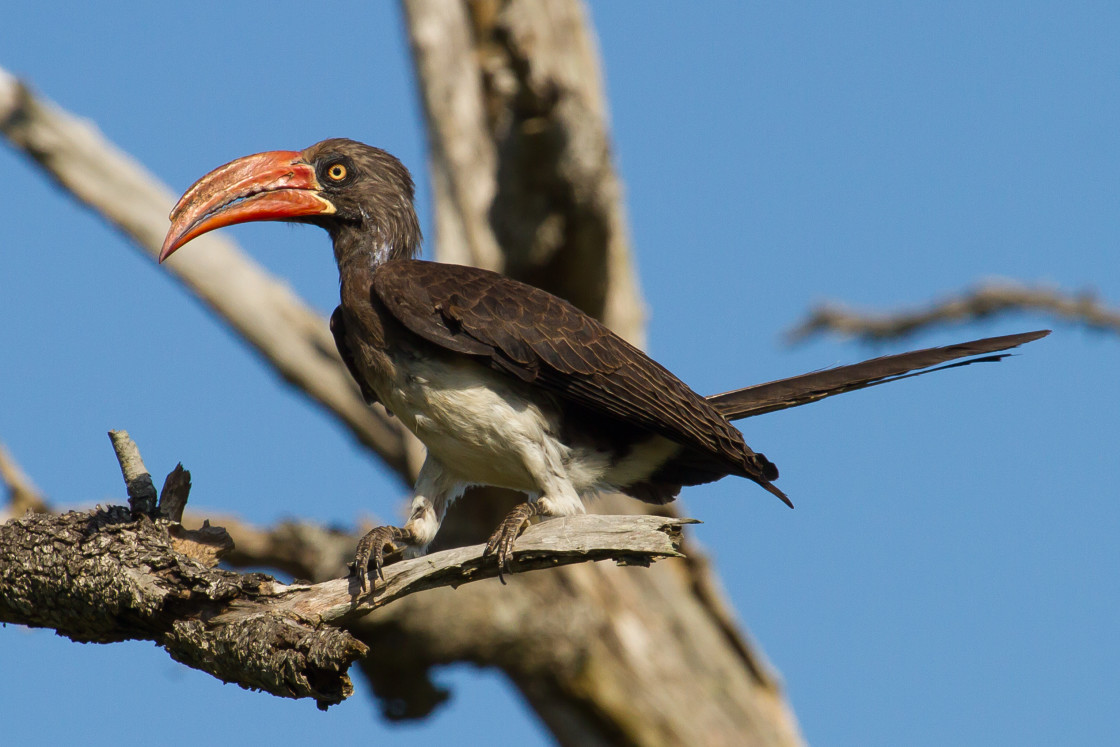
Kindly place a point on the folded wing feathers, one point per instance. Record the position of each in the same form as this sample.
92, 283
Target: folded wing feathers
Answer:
537, 337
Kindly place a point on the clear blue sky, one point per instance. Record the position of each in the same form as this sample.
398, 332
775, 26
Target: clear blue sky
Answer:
950, 574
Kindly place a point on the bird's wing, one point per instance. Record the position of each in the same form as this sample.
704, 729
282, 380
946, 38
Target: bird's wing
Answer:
338, 329
538, 338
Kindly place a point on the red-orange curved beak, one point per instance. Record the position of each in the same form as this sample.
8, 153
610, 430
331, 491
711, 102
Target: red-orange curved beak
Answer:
277, 185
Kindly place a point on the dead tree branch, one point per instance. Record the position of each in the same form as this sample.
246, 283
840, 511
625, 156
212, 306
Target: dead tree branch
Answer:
113, 574
982, 302
101, 576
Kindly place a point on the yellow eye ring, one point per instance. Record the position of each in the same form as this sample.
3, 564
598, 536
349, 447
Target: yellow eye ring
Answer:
336, 172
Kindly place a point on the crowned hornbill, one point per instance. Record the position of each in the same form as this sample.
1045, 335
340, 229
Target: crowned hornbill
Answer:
504, 383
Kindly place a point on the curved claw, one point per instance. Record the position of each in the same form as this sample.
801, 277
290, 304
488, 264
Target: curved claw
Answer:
373, 545
501, 541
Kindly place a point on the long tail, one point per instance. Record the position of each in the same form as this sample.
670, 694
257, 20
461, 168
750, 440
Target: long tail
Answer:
801, 390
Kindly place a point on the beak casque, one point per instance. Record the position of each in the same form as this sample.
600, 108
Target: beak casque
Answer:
277, 185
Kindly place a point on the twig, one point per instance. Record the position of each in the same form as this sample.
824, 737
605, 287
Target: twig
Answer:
137, 479
176, 490
979, 303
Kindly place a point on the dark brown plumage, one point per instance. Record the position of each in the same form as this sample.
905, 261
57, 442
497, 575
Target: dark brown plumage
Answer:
801, 390
506, 384
545, 341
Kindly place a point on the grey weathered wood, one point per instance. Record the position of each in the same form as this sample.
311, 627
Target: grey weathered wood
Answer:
628, 540
138, 481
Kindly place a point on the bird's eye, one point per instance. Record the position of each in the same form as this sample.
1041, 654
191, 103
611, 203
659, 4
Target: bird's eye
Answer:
336, 172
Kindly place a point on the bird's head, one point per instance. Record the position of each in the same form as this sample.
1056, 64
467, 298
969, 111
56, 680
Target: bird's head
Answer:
361, 195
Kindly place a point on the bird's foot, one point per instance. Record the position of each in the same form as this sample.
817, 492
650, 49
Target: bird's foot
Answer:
501, 541
373, 546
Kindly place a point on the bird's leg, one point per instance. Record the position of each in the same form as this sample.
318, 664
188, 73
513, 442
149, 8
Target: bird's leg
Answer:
501, 541
435, 490
373, 545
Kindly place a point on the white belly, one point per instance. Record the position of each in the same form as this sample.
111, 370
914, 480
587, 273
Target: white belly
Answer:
478, 424
483, 430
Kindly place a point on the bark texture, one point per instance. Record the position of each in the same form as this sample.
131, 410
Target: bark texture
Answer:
102, 576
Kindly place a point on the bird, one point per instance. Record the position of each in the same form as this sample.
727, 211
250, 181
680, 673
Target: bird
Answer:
505, 384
